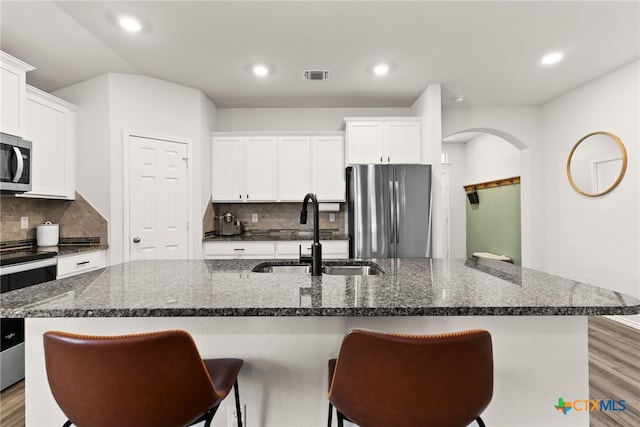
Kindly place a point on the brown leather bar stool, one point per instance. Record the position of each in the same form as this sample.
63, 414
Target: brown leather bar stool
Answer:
382, 380
152, 379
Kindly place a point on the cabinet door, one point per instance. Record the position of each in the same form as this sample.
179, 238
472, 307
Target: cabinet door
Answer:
365, 142
294, 168
50, 127
402, 140
261, 169
328, 179
12, 95
227, 175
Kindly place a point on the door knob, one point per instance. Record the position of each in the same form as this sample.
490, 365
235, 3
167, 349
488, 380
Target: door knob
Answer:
136, 240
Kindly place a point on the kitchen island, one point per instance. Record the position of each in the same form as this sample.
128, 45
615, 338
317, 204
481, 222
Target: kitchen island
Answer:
286, 326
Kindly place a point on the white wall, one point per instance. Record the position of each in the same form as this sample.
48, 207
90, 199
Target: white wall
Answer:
457, 198
428, 108
489, 158
148, 106
295, 119
595, 239
93, 159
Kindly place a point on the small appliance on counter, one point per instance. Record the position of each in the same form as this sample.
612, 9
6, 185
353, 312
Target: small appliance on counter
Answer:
226, 225
47, 235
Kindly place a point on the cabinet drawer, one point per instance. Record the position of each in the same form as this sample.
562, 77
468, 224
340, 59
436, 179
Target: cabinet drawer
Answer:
225, 250
331, 249
69, 265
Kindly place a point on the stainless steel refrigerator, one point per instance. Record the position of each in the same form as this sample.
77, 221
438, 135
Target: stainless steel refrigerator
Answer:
389, 211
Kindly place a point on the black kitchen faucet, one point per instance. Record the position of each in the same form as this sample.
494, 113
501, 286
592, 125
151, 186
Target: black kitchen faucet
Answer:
316, 248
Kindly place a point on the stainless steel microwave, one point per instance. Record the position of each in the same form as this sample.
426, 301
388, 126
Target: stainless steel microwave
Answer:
15, 164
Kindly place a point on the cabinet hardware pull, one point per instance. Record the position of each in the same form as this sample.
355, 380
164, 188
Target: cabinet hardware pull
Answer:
83, 262
239, 196
239, 249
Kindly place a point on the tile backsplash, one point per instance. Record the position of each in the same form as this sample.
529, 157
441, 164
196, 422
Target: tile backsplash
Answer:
273, 216
77, 218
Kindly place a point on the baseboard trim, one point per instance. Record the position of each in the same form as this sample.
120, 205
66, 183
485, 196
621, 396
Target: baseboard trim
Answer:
625, 321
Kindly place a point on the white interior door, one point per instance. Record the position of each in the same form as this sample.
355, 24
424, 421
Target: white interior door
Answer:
158, 199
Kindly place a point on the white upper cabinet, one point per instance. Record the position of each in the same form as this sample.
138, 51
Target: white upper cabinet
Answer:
244, 169
383, 140
365, 142
228, 169
327, 172
280, 167
13, 99
294, 168
51, 127
261, 169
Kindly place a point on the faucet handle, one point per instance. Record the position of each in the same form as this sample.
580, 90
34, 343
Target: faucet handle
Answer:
303, 258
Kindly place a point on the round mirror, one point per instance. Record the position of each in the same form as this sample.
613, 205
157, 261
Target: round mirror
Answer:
597, 164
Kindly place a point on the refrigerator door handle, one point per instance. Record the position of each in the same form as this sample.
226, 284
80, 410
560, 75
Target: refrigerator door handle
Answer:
392, 223
396, 196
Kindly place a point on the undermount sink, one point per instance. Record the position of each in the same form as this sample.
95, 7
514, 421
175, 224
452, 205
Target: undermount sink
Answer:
282, 269
340, 268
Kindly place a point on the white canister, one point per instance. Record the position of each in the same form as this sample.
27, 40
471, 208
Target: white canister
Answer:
47, 234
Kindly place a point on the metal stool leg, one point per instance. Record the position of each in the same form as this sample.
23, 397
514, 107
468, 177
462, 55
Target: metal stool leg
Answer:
480, 422
238, 411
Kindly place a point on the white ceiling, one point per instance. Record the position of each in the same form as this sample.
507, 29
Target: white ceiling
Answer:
487, 51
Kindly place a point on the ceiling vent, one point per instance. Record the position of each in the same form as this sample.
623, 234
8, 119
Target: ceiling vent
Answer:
316, 75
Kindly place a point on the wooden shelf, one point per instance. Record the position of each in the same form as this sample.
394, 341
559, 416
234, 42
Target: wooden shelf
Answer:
492, 184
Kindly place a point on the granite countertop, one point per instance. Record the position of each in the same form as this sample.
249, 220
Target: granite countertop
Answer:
409, 287
276, 235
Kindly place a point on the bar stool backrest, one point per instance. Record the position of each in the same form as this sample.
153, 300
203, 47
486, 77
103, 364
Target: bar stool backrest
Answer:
413, 380
153, 379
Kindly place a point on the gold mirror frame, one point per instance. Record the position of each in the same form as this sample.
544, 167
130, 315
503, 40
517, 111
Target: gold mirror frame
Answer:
623, 168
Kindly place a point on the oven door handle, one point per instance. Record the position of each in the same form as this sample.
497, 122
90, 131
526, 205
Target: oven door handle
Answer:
26, 266
19, 164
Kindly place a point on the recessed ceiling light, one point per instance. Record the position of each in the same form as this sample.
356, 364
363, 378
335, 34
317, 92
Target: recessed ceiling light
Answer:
260, 70
130, 24
381, 69
552, 58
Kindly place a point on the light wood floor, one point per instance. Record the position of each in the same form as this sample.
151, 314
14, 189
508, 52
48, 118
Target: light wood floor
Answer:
614, 373
12, 406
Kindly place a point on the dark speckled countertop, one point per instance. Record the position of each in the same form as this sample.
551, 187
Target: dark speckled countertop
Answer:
409, 287
276, 235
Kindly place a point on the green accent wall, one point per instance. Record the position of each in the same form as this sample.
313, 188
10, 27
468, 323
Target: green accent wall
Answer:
493, 225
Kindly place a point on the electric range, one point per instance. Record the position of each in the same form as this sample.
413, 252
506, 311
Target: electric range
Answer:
19, 269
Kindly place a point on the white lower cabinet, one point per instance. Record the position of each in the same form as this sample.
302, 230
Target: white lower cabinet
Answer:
238, 250
70, 265
331, 249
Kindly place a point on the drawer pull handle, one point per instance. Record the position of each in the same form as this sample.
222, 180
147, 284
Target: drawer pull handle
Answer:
9, 336
83, 262
239, 249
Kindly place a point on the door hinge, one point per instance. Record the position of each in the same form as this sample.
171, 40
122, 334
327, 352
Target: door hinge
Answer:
186, 161
187, 225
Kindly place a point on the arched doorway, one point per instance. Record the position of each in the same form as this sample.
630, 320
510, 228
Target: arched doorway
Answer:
493, 223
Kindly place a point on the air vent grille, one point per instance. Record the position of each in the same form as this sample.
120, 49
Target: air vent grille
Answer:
316, 75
